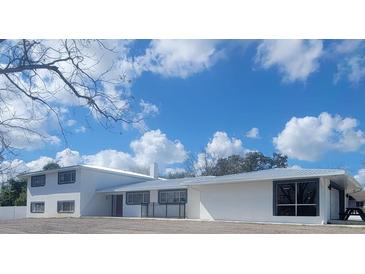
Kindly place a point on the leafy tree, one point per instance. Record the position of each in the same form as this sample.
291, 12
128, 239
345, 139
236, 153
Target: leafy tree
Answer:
279, 160
230, 165
204, 165
178, 175
252, 161
13, 192
51, 165
22, 198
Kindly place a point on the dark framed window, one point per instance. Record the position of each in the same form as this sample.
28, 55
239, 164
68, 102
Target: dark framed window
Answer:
38, 180
359, 204
296, 198
37, 207
138, 197
66, 206
174, 196
67, 177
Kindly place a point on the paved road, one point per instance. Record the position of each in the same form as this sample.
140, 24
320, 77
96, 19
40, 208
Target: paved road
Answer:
121, 225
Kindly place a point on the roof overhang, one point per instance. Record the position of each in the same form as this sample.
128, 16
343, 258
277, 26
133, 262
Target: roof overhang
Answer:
96, 168
135, 187
339, 177
342, 178
347, 182
41, 172
358, 195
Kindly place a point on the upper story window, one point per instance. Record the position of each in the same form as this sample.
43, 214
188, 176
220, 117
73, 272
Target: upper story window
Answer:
37, 207
67, 177
138, 197
296, 198
38, 180
178, 196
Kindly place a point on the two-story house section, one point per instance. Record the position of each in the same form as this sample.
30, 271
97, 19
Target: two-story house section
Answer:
71, 191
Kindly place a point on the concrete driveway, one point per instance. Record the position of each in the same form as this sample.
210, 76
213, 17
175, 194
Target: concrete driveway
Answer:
124, 225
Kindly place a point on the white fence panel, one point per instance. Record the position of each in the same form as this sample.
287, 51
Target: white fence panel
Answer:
12, 212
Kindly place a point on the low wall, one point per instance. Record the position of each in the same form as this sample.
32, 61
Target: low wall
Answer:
12, 212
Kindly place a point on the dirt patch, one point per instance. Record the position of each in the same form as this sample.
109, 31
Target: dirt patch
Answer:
123, 225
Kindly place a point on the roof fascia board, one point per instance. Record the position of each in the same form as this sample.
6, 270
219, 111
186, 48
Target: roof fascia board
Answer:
121, 172
238, 180
39, 172
141, 189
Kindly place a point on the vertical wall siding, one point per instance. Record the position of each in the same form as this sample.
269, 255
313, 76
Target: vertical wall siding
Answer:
13, 212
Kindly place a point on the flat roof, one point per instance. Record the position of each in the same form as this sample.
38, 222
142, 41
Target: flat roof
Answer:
98, 168
262, 175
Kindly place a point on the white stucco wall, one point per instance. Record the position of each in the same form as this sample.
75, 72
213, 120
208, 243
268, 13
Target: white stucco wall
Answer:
193, 205
334, 204
83, 192
249, 201
53, 192
252, 202
99, 204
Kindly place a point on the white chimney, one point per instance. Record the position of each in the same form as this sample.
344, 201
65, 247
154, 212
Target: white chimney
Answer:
154, 170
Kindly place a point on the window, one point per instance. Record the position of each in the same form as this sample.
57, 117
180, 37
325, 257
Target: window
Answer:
178, 196
138, 197
38, 180
296, 198
66, 206
359, 204
67, 177
37, 207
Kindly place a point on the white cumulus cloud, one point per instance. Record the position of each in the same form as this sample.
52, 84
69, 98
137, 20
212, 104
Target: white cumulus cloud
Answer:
154, 146
110, 158
148, 108
310, 137
360, 176
348, 46
352, 68
39, 163
10, 169
295, 59
68, 157
350, 58
221, 145
178, 58
253, 133
25, 124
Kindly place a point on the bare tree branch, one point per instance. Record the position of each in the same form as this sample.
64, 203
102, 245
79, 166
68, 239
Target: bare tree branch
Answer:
43, 71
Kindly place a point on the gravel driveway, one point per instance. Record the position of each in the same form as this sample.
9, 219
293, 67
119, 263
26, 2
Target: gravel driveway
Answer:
123, 225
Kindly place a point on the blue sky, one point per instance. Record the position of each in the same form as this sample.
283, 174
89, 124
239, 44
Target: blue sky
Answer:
198, 89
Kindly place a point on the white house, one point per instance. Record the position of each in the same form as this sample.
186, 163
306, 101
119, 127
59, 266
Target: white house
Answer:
72, 191
311, 196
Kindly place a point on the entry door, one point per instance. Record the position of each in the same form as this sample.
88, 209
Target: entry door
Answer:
335, 204
119, 206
